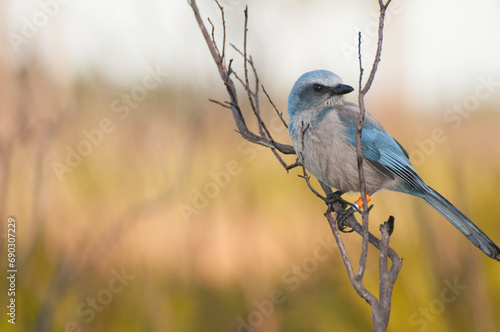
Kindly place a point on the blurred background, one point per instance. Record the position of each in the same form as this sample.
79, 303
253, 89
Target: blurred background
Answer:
139, 208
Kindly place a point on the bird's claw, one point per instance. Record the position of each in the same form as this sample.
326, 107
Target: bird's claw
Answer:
342, 217
337, 197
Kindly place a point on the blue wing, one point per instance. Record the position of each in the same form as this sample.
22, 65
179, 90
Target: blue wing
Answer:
383, 153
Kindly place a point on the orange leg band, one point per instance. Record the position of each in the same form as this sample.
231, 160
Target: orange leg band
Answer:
359, 203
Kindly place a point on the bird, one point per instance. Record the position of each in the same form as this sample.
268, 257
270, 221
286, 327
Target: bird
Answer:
322, 128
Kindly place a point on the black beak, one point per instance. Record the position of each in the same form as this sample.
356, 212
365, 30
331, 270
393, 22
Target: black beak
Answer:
342, 89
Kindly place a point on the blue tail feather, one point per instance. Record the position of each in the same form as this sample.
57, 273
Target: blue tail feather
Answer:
460, 221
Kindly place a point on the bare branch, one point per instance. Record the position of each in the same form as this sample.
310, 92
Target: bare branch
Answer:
219, 103
387, 277
252, 97
308, 181
210, 42
355, 281
213, 38
280, 115
362, 92
282, 162
305, 175
242, 128
358, 228
361, 172
381, 19
295, 164
239, 80
223, 18
380, 307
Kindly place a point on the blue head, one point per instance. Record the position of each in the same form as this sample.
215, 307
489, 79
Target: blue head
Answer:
315, 90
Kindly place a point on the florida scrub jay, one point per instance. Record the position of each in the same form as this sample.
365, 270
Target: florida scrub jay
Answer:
323, 127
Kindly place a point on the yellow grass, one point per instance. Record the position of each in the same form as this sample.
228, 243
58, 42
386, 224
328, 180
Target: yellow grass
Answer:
249, 252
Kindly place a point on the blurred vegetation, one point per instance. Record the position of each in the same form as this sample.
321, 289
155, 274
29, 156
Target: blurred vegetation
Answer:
254, 251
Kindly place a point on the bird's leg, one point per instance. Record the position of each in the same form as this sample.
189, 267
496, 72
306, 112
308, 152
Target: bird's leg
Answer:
336, 197
343, 215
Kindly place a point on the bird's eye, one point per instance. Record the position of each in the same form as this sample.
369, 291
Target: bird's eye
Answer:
317, 87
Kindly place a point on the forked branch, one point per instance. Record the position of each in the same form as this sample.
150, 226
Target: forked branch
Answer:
381, 306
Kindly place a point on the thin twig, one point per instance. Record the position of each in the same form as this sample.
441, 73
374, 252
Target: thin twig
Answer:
249, 60
376, 61
362, 92
295, 164
239, 80
252, 97
280, 115
220, 103
308, 181
356, 283
305, 175
361, 172
282, 162
332, 220
223, 18
213, 38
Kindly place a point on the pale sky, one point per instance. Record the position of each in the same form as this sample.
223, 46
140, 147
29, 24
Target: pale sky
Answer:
434, 49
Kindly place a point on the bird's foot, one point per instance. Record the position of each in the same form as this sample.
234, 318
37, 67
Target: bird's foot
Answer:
346, 213
336, 197
342, 217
